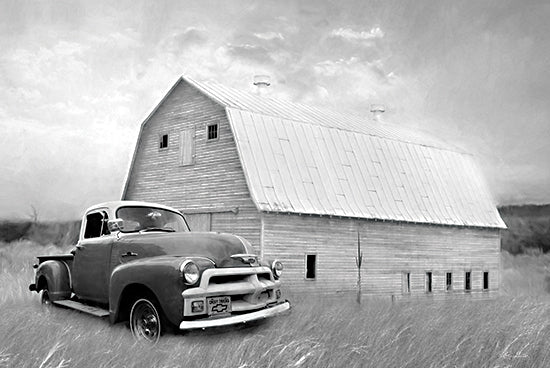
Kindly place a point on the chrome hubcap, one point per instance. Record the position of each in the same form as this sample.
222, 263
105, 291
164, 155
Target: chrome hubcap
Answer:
145, 321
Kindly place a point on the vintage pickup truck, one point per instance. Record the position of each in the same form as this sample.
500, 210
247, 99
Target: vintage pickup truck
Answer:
139, 262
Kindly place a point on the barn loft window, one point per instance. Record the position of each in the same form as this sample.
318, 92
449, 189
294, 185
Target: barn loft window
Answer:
485, 281
163, 141
468, 281
212, 132
449, 281
311, 266
428, 282
187, 147
406, 282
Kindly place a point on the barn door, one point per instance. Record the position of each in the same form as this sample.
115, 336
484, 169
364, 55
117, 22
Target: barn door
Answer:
199, 221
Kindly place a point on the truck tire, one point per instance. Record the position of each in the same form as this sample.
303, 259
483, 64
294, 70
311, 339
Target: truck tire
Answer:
45, 297
145, 320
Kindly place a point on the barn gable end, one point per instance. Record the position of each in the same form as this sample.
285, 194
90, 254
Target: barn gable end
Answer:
211, 189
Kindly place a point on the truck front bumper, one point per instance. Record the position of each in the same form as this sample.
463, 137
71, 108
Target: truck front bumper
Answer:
236, 319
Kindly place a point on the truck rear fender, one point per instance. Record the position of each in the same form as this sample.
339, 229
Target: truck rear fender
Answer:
56, 277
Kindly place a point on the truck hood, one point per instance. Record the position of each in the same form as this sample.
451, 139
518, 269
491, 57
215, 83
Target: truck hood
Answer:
217, 247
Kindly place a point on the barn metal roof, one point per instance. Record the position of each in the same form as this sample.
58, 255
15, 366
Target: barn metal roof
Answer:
299, 159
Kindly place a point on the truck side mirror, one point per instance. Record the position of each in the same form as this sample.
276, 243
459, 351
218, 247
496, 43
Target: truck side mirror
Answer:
115, 225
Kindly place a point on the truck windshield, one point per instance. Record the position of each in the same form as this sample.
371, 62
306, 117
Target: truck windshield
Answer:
151, 219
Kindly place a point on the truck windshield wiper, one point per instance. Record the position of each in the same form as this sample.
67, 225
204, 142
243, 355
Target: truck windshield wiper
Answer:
166, 229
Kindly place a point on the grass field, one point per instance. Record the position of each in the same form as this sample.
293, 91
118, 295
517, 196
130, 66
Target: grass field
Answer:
510, 331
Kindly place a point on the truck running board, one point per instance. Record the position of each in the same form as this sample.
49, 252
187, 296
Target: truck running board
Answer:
98, 312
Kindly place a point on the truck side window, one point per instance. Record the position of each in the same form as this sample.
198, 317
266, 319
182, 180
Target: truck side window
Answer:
96, 225
104, 227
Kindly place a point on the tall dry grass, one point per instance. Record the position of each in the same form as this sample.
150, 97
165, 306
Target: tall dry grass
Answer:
510, 331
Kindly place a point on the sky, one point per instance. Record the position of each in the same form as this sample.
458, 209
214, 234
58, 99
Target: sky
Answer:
77, 78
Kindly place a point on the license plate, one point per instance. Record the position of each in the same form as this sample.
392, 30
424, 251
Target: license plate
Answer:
219, 305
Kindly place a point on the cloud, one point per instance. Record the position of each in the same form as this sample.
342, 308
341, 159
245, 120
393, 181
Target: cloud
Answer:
191, 36
354, 65
351, 35
330, 68
269, 36
250, 52
47, 65
125, 39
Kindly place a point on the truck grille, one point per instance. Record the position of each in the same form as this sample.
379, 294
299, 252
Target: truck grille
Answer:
249, 288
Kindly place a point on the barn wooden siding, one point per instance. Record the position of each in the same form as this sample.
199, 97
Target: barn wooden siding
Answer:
214, 185
389, 249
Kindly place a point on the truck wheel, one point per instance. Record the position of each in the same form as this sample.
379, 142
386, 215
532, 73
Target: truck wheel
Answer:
145, 321
45, 297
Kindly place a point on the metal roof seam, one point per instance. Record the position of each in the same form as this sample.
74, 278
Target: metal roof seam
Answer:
289, 183
342, 162
296, 152
421, 164
365, 172
311, 159
278, 189
412, 188
255, 195
398, 169
359, 191
383, 189
321, 158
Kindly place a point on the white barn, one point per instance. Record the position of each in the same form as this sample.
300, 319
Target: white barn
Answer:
303, 184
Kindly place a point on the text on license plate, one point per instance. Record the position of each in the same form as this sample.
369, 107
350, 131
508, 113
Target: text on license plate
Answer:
219, 304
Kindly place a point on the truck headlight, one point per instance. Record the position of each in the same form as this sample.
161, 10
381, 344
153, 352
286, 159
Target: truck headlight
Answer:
190, 272
277, 269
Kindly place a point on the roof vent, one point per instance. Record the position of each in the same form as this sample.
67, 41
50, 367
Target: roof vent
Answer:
377, 111
261, 82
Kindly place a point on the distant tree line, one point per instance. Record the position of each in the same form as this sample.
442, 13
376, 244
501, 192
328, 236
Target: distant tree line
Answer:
60, 233
528, 228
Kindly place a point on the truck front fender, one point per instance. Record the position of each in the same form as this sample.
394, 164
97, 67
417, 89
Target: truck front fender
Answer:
156, 275
56, 277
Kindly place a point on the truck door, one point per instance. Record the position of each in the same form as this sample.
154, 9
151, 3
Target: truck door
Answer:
91, 260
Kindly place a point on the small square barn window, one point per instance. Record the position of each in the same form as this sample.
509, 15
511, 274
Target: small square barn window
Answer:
468, 281
449, 282
428, 282
406, 282
485, 281
212, 132
163, 141
311, 266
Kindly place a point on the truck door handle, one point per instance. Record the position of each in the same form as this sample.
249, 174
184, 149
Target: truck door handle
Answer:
129, 254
